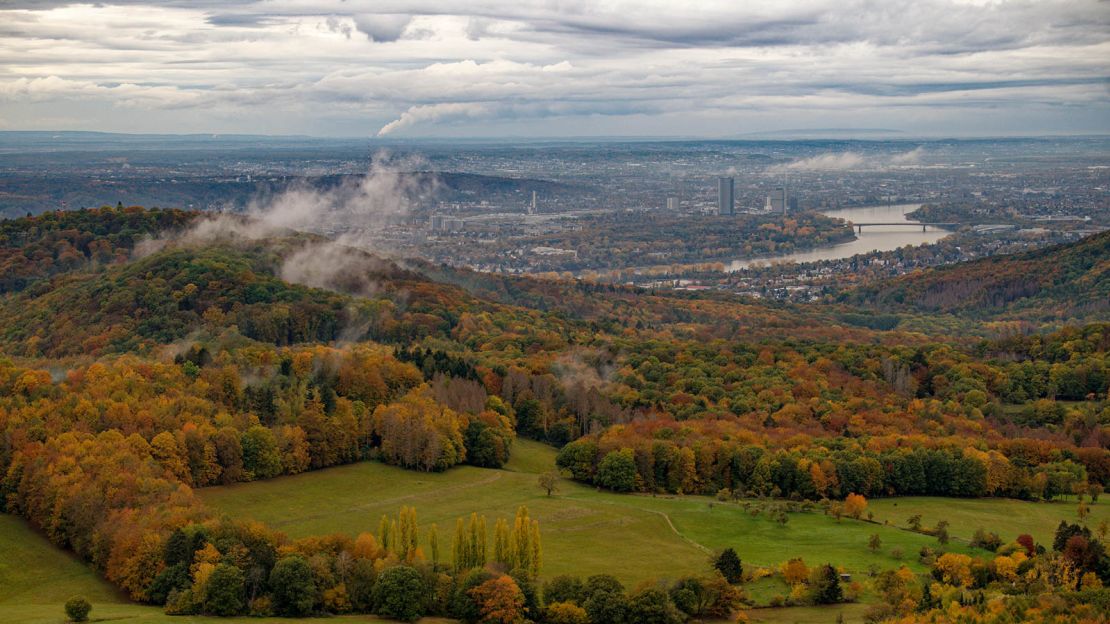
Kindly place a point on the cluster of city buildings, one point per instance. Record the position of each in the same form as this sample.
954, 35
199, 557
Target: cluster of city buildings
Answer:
778, 200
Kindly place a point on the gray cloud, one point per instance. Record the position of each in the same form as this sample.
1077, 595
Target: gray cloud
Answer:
637, 67
382, 27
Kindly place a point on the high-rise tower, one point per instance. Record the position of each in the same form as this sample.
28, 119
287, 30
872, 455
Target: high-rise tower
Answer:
726, 202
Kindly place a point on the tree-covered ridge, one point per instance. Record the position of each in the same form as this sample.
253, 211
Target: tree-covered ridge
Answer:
165, 296
37, 247
1055, 283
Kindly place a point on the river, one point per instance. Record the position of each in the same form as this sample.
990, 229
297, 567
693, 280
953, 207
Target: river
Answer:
873, 238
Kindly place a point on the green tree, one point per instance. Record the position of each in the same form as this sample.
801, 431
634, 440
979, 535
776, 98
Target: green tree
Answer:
604, 600
608, 607
564, 588
941, 531
653, 606
224, 594
401, 593
360, 585
261, 457
617, 471
293, 587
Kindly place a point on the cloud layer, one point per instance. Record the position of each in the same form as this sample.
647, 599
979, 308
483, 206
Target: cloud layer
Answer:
576, 67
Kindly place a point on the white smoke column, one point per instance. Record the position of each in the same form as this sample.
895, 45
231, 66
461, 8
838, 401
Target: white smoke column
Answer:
431, 113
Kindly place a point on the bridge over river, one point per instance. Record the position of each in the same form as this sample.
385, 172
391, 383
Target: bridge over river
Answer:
923, 224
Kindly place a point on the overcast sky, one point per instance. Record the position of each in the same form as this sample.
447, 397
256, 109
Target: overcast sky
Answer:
556, 67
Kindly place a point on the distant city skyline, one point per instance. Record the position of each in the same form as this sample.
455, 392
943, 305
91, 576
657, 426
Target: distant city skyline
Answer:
411, 69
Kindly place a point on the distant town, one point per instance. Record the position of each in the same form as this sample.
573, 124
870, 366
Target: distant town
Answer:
770, 219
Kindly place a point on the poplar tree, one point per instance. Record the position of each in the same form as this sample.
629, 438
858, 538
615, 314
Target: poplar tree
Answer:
521, 540
537, 551
481, 546
383, 533
459, 546
433, 544
502, 553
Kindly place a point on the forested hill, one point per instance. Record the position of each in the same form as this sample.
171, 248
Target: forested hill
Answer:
1070, 281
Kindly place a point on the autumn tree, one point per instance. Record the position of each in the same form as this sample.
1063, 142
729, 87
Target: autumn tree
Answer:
855, 505
565, 613
499, 601
795, 571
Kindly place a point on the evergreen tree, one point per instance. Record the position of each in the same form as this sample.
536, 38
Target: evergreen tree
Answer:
729, 565
825, 585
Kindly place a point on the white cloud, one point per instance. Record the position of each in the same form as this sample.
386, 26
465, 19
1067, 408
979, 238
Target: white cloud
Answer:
912, 157
842, 161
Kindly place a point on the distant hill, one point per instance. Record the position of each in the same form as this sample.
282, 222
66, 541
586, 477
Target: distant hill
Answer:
1060, 282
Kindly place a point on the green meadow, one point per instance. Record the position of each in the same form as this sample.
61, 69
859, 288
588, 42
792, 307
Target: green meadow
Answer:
1006, 517
635, 537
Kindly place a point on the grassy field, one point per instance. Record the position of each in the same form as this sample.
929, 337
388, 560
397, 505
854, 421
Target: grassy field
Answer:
585, 531
1008, 518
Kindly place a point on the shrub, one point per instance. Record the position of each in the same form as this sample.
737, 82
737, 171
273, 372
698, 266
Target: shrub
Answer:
77, 609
